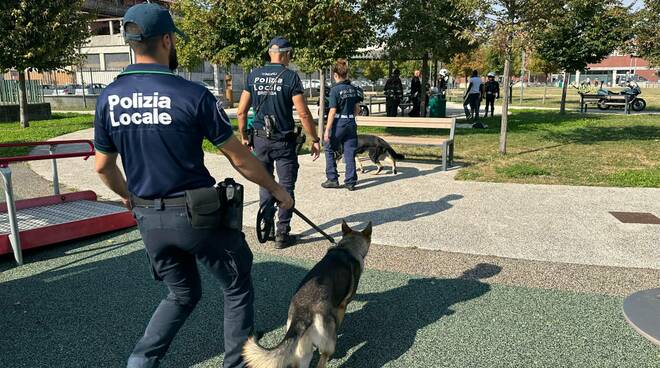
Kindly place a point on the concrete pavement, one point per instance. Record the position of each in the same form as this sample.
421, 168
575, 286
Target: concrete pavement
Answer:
425, 208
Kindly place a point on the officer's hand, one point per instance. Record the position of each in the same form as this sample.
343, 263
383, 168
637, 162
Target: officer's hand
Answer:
316, 151
326, 137
127, 203
283, 198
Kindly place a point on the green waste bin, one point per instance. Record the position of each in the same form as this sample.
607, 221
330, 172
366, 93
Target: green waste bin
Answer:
437, 106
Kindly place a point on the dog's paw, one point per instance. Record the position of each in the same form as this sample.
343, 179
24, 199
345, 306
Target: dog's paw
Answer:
394, 172
378, 171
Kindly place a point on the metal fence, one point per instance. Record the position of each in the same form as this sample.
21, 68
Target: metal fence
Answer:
9, 92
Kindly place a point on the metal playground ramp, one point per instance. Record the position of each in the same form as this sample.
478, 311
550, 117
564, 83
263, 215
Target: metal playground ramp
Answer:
41, 221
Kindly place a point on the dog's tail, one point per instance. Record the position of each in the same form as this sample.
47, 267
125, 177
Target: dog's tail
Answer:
395, 155
391, 150
280, 356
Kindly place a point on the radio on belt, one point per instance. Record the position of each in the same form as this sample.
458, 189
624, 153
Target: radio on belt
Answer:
231, 198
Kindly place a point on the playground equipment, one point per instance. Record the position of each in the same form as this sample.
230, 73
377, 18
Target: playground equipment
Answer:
36, 222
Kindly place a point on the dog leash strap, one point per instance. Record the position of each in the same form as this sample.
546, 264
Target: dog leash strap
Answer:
308, 221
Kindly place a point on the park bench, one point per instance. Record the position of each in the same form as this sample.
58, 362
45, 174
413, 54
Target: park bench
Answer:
446, 144
605, 100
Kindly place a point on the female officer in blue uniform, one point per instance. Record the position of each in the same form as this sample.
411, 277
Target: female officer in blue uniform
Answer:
341, 130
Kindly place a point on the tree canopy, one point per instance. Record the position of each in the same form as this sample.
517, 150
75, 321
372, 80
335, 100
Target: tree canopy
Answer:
647, 32
41, 34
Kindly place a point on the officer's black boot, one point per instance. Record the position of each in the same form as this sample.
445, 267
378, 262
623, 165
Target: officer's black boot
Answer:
330, 184
284, 240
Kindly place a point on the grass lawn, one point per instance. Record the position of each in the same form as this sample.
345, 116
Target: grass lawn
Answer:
533, 96
547, 148
61, 123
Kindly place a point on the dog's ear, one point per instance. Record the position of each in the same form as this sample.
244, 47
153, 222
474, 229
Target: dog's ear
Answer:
367, 231
345, 229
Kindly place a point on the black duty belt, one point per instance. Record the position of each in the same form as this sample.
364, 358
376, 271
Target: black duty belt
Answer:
261, 133
159, 203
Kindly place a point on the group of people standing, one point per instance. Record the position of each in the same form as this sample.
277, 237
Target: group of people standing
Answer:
475, 92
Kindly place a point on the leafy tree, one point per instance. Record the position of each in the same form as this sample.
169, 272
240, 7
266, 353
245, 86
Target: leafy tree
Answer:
40, 34
647, 34
512, 22
437, 29
539, 65
373, 70
593, 29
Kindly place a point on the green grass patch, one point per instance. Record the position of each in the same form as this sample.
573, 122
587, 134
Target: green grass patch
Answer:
521, 171
41, 130
636, 178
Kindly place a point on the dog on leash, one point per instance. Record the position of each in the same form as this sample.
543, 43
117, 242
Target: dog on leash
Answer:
318, 307
377, 148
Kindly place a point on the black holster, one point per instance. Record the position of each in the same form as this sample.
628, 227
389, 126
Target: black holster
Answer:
216, 207
250, 136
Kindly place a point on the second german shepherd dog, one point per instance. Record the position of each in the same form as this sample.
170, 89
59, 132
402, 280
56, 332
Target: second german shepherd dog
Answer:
377, 148
317, 309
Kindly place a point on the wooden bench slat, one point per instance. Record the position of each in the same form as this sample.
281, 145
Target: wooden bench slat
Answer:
402, 124
414, 140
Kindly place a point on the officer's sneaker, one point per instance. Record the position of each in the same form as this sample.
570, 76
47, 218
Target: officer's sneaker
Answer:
284, 240
350, 187
330, 184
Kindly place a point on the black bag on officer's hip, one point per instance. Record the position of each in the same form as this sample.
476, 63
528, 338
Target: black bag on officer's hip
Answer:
204, 208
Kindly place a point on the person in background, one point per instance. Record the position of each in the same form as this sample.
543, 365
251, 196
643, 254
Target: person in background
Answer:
341, 130
393, 93
427, 95
472, 98
415, 94
492, 89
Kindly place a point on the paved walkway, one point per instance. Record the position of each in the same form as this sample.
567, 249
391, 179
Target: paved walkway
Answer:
423, 207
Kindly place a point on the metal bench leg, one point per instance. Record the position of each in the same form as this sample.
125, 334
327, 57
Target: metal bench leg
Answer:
444, 156
14, 236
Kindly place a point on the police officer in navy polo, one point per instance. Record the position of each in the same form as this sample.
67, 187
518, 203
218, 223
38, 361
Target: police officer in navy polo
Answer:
272, 91
341, 131
156, 121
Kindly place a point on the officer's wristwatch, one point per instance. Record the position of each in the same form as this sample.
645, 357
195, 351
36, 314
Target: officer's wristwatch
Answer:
317, 140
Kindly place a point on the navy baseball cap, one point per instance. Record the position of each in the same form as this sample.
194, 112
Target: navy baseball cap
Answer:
281, 43
153, 20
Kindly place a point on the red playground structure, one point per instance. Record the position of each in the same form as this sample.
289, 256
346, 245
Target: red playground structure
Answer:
36, 222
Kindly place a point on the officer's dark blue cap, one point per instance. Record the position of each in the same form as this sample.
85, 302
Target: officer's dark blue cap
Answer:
281, 43
153, 20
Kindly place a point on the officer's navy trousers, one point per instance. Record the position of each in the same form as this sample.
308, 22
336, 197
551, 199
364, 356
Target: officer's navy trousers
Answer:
343, 136
174, 248
279, 155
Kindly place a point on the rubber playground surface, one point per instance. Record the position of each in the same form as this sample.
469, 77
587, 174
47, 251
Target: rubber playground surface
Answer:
85, 303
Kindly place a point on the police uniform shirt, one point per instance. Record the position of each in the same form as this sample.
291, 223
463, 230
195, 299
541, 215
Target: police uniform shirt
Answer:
261, 83
343, 97
492, 87
157, 121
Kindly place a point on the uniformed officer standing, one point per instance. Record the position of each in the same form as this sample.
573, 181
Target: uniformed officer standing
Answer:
273, 90
341, 130
492, 89
156, 121
393, 93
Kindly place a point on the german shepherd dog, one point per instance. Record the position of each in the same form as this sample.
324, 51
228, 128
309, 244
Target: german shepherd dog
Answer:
317, 309
377, 148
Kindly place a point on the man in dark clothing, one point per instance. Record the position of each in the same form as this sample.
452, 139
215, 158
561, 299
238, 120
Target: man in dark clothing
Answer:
415, 94
393, 93
492, 90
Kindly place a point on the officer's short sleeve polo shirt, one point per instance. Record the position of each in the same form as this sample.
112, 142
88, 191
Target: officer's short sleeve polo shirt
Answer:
343, 97
272, 88
157, 121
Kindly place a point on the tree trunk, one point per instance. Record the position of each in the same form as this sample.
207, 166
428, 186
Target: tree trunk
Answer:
425, 69
22, 99
562, 104
321, 126
505, 105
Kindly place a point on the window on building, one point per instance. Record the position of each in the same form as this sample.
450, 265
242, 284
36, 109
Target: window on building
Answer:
116, 61
92, 61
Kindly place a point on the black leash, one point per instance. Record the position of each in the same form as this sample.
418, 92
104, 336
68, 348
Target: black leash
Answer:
266, 223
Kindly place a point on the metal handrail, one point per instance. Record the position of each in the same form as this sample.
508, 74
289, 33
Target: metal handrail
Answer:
5, 172
4, 161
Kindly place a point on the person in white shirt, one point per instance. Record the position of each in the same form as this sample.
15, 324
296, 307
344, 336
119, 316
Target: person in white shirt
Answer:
472, 98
